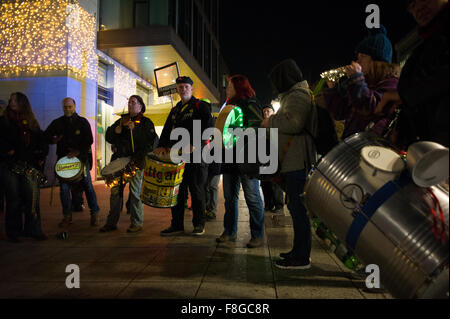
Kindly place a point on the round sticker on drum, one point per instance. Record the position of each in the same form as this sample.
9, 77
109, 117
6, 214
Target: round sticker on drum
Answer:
68, 167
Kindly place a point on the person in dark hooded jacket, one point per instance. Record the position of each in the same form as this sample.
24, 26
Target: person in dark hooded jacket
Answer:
296, 153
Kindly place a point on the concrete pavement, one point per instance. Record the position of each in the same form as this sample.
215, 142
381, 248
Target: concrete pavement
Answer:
146, 265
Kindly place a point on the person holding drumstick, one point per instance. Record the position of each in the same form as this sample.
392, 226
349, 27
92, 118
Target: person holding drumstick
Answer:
73, 136
195, 174
133, 136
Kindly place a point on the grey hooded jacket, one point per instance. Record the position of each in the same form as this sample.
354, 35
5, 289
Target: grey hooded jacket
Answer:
296, 114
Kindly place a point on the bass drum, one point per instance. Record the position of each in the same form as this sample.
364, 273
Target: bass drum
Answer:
161, 183
382, 216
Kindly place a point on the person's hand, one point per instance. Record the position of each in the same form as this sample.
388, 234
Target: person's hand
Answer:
11, 153
73, 153
118, 129
130, 125
265, 123
388, 97
160, 151
352, 69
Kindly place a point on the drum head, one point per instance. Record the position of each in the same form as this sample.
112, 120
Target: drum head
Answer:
68, 168
382, 159
116, 166
428, 163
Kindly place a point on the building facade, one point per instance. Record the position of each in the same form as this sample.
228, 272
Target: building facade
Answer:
102, 51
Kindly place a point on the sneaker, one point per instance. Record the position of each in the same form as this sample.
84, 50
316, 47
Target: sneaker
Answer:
94, 220
286, 255
255, 242
171, 232
198, 231
134, 229
67, 221
210, 216
224, 238
107, 229
278, 210
292, 264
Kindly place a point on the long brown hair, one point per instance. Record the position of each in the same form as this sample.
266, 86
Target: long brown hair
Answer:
25, 112
380, 70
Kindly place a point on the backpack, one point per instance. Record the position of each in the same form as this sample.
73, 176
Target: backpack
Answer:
326, 138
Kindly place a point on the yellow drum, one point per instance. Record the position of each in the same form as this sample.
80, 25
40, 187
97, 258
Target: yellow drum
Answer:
161, 183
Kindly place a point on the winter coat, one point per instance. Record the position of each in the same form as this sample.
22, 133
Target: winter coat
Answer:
32, 152
423, 87
144, 135
183, 116
354, 101
296, 114
77, 134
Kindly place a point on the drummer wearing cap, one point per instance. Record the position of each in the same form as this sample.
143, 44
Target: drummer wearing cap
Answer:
73, 136
195, 174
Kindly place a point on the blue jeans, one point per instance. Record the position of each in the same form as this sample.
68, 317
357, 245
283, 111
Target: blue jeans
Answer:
212, 193
295, 183
116, 202
231, 189
19, 198
86, 185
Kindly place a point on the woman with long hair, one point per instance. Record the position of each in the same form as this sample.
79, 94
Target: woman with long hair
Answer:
240, 93
25, 150
355, 98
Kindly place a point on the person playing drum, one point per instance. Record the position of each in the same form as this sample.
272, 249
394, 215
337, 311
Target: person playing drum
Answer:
73, 136
23, 148
195, 174
133, 136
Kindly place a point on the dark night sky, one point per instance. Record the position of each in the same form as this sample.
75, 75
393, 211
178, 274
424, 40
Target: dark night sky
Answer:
318, 35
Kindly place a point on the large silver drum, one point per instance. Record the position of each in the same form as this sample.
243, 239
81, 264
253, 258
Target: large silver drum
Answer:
363, 192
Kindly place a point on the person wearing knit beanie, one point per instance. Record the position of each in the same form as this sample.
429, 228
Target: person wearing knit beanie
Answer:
377, 45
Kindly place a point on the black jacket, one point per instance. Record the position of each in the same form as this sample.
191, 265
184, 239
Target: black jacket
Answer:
144, 135
31, 154
252, 111
77, 134
423, 87
183, 116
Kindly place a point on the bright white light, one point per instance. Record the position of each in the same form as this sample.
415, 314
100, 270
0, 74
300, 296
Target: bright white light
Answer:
276, 106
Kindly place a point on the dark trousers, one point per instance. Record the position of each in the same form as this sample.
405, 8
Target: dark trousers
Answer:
295, 183
3, 171
19, 199
273, 195
194, 180
77, 195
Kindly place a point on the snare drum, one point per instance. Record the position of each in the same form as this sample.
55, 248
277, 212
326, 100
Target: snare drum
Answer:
162, 180
69, 170
120, 169
380, 164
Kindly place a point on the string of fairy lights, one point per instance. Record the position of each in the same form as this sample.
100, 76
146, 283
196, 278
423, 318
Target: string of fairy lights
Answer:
47, 35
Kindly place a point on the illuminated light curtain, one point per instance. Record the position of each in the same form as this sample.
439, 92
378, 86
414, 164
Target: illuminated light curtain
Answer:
46, 36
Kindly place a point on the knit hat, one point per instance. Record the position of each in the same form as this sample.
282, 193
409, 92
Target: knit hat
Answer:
377, 45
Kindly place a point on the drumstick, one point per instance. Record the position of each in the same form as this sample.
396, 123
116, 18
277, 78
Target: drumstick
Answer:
132, 141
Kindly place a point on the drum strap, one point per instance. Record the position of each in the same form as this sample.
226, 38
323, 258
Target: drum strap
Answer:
371, 206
